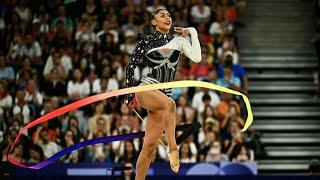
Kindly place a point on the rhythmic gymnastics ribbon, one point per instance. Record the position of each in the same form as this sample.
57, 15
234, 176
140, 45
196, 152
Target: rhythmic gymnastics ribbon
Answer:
106, 95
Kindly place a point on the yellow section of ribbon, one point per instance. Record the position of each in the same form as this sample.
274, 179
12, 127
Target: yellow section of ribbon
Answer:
190, 83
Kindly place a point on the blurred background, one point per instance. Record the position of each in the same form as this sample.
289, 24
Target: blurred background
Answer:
60, 51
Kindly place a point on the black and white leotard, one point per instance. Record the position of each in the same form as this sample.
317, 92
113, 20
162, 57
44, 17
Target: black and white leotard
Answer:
161, 53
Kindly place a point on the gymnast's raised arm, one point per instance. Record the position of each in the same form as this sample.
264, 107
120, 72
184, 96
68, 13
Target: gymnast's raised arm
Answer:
193, 50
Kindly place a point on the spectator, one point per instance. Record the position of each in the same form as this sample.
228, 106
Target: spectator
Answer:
130, 153
24, 12
17, 154
185, 114
26, 68
215, 154
185, 154
5, 99
200, 12
314, 167
229, 80
78, 87
242, 153
6, 72
36, 154
49, 147
22, 108
54, 85
99, 114
65, 21
30, 48
128, 174
60, 60
54, 62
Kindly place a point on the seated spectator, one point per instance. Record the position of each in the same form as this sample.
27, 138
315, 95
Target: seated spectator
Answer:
22, 108
228, 109
185, 154
78, 87
54, 85
33, 95
215, 154
99, 114
30, 48
26, 66
112, 83
36, 154
49, 147
130, 153
17, 153
54, 62
5, 99
229, 80
200, 12
65, 21
107, 38
229, 10
128, 174
237, 71
85, 35
6, 72
180, 20
185, 114
242, 153
24, 12
73, 126
91, 12
314, 166
67, 141
131, 26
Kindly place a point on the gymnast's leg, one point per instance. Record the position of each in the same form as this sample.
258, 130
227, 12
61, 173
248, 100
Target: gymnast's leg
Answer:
155, 100
154, 130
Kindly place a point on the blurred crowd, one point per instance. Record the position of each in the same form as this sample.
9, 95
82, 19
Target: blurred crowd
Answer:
56, 52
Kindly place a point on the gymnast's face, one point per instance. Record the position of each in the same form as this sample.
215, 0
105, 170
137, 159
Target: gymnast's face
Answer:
162, 21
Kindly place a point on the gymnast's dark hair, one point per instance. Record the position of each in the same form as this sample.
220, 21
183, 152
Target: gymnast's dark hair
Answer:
155, 12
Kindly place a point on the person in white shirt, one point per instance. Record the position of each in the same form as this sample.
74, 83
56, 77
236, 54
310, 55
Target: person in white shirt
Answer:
78, 87
65, 59
98, 85
200, 12
5, 99
49, 147
32, 49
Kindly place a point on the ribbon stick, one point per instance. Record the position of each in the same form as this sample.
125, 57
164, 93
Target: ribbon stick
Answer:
102, 96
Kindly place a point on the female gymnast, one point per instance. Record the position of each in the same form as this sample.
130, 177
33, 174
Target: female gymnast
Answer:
161, 52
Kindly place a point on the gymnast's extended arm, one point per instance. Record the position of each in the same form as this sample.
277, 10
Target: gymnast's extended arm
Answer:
193, 50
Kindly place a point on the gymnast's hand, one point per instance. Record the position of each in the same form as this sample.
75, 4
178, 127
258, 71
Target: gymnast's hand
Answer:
182, 31
133, 103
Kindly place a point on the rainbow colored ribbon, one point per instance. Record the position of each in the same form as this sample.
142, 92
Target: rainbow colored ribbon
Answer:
102, 96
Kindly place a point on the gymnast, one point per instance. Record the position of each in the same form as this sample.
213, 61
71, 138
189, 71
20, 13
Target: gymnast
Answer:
161, 51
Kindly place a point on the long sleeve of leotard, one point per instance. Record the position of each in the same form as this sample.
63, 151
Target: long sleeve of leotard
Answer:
135, 59
193, 50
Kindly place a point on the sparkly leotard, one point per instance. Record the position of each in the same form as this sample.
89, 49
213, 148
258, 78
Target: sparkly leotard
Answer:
161, 52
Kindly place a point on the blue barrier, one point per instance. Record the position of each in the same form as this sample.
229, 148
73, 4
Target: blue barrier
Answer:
156, 169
